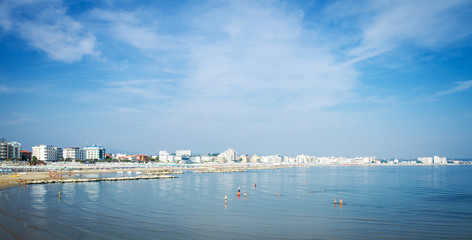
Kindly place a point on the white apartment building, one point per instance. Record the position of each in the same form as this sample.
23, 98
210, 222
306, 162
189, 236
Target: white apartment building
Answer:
426, 160
207, 159
302, 158
94, 152
15, 150
255, 159
439, 160
74, 153
182, 153
9, 150
164, 156
229, 155
44, 153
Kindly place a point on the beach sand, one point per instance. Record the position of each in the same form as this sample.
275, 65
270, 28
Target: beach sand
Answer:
11, 180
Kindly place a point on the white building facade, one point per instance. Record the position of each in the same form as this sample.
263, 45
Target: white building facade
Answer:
183, 153
94, 152
9, 150
229, 155
44, 153
73, 153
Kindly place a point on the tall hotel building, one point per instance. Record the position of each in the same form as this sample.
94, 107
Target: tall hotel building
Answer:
45, 153
94, 152
9, 150
73, 153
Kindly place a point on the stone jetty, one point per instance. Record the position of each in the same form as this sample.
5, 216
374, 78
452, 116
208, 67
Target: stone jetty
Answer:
80, 180
222, 170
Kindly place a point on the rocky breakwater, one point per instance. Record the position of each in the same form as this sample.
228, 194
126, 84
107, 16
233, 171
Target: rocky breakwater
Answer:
161, 172
80, 180
220, 170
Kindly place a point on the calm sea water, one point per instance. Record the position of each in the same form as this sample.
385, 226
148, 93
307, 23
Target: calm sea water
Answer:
407, 202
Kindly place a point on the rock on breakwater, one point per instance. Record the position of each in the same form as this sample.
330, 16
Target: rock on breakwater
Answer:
79, 180
224, 170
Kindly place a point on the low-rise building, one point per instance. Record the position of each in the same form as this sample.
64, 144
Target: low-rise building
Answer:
25, 155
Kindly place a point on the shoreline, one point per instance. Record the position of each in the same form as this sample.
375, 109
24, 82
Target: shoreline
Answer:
41, 173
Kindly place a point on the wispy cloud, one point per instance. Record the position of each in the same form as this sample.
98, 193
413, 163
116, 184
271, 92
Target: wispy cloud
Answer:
138, 28
46, 26
12, 119
5, 89
459, 87
388, 25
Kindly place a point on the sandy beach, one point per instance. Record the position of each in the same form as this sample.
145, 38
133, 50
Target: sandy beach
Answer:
13, 179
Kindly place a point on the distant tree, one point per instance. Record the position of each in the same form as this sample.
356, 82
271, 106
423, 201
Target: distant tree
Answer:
34, 161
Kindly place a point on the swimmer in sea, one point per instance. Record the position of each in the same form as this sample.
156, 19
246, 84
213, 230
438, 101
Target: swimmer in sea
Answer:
59, 193
245, 195
340, 201
255, 185
278, 194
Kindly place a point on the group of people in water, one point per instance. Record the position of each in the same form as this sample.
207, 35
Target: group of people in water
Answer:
278, 195
239, 194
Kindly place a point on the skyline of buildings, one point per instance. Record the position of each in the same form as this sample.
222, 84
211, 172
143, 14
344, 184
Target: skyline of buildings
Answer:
94, 152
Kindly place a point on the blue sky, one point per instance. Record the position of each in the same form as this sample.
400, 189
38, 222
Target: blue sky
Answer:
325, 78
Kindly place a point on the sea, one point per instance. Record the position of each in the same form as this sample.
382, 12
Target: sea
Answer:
379, 202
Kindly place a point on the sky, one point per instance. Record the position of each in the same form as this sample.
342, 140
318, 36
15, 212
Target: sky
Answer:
391, 79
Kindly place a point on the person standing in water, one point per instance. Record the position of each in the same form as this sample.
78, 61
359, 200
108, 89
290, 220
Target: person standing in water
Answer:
335, 201
239, 191
226, 199
59, 194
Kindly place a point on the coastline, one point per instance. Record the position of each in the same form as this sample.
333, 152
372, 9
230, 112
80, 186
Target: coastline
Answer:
41, 173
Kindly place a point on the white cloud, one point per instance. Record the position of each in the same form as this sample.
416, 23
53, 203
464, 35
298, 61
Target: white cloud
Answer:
137, 28
46, 26
257, 55
460, 87
389, 25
